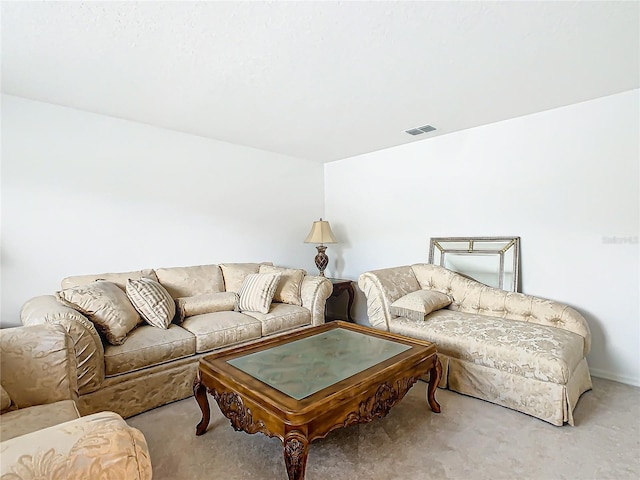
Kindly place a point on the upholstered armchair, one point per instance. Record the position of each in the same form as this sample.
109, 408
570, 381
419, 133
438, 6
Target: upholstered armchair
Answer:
41, 432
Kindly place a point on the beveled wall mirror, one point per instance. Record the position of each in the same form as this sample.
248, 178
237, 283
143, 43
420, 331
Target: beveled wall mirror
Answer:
494, 261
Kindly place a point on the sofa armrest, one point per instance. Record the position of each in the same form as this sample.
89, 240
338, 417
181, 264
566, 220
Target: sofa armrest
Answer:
87, 344
382, 288
314, 291
38, 365
101, 445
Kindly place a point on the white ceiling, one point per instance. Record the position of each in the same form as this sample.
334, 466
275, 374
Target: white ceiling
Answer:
318, 80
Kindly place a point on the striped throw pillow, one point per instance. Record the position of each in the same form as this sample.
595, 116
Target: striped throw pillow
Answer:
257, 291
152, 301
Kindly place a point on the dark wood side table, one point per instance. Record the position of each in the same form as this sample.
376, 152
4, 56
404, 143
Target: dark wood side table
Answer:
341, 285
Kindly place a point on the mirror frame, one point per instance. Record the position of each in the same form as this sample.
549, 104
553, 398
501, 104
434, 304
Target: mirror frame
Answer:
467, 246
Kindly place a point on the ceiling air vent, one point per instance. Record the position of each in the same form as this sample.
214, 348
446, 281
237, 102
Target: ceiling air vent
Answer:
420, 130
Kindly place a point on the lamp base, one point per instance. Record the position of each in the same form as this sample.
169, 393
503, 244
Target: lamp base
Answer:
321, 259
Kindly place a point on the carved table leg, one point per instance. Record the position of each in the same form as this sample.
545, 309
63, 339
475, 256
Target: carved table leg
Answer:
296, 449
200, 392
434, 379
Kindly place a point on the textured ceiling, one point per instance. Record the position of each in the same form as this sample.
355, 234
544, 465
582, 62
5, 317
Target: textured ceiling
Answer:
318, 80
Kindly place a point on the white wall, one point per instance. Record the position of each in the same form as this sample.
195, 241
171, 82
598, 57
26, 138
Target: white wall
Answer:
85, 193
564, 180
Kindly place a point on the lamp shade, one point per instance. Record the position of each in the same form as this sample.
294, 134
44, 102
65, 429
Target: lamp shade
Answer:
320, 233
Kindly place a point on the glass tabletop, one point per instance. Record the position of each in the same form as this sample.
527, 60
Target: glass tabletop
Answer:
306, 366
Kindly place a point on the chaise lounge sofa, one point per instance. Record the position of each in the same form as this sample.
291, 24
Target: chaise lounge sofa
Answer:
512, 349
138, 344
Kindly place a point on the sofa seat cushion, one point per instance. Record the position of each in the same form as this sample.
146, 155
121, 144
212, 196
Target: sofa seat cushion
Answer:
281, 317
219, 329
147, 346
27, 420
530, 350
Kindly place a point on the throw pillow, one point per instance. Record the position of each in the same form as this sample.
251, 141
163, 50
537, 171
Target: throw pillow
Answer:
106, 305
256, 292
417, 305
290, 284
235, 273
152, 301
206, 303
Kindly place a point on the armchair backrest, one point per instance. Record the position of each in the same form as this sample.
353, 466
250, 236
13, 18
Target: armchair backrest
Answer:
38, 365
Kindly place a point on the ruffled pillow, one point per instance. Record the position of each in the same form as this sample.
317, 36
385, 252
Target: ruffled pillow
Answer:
417, 305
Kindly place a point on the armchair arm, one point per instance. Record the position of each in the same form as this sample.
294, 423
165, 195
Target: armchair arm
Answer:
38, 365
382, 288
315, 290
89, 351
101, 445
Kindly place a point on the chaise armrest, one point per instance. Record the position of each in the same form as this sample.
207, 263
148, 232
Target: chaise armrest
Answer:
382, 288
101, 445
38, 365
314, 291
89, 351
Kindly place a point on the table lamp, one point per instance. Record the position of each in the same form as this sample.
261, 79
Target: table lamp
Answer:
321, 233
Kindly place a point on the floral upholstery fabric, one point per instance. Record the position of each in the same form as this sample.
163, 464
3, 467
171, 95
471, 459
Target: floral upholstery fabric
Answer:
86, 341
382, 288
143, 387
147, 346
36, 366
529, 350
120, 279
516, 350
97, 446
220, 329
234, 274
288, 289
281, 317
106, 305
37, 417
206, 303
473, 297
190, 281
314, 292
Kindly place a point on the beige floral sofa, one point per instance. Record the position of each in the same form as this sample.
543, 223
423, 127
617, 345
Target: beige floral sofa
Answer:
138, 336
41, 432
512, 349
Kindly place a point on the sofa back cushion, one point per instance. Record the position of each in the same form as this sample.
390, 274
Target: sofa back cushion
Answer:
191, 281
235, 273
120, 279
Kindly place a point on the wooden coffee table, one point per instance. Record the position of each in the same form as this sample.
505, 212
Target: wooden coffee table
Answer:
302, 385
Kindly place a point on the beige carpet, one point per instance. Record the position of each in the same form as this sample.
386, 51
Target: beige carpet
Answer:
469, 440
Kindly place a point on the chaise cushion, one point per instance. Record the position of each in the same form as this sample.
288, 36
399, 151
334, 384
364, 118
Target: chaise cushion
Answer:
27, 420
190, 281
147, 346
527, 349
106, 305
220, 329
282, 317
256, 292
152, 301
416, 305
